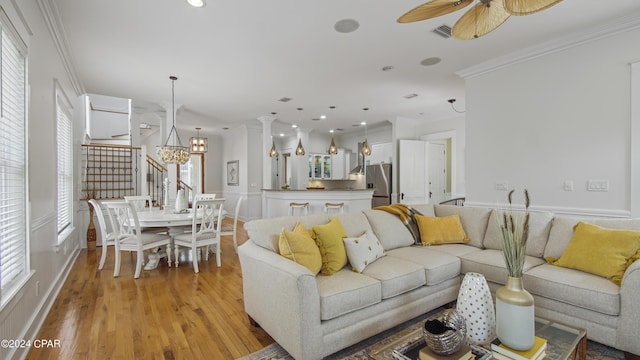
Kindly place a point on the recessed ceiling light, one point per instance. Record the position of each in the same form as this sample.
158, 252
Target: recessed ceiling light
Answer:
196, 3
363, 123
332, 107
410, 96
225, 128
294, 126
281, 134
387, 68
430, 61
323, 117
339, 129
346, 26
284, 99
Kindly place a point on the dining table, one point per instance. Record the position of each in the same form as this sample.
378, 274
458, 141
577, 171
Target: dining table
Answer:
176, 221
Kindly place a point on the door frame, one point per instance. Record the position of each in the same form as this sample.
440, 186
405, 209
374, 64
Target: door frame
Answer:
447, 135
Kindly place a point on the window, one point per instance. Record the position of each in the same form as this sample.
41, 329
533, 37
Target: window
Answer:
64, 142
13, 157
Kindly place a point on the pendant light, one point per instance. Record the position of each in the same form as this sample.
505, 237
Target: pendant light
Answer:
366, 150
333, 149
273, 153
198, 144
173, 154
299, 148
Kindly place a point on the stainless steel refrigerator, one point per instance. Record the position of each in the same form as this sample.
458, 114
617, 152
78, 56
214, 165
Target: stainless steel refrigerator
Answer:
379, 179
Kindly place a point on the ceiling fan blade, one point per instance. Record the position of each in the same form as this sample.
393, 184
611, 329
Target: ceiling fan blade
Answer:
480, 20
433, 8
526, 7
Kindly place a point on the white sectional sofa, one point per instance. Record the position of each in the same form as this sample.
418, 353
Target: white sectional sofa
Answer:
314, 316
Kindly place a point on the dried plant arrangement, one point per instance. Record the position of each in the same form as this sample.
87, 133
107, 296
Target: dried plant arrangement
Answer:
515, 231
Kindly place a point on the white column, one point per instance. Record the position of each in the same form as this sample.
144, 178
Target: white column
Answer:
300, 164
267, 162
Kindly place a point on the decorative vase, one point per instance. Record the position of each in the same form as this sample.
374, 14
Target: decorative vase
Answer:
515, 315
476, 306
180, 201
91, 231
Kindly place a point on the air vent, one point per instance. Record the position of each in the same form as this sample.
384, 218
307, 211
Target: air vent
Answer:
443, 30
284, 99
315, 119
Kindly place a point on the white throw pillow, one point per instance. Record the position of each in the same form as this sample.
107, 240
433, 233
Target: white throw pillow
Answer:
363, 250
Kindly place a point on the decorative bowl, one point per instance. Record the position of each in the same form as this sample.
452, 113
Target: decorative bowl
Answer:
449, 332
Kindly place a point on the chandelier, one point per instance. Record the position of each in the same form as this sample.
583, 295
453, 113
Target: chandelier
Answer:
173, 154
198, 144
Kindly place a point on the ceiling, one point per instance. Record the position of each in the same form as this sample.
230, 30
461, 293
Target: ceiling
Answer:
235, 59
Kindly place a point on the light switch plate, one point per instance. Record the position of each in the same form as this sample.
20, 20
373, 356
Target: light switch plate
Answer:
598, 185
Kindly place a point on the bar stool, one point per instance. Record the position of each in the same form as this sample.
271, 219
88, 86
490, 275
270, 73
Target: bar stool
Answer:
338, 207
304, 208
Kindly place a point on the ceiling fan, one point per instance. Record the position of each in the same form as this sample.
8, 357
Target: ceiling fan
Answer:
483, 18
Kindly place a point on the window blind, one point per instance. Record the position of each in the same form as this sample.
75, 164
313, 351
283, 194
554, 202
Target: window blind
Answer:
13, 166
65, 162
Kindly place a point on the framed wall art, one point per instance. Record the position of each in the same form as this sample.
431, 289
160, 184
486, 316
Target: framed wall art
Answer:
232, 172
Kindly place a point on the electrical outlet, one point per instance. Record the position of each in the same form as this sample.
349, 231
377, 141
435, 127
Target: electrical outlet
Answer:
568, 185
598, 185
502, 185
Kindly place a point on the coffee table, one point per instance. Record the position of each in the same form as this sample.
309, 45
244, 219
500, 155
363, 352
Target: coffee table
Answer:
563, 341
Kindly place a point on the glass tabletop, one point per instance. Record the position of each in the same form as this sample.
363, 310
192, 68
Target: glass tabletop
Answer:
562, 341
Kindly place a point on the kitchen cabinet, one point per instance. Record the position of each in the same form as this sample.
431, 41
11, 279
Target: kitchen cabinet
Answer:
319, 166
334, 167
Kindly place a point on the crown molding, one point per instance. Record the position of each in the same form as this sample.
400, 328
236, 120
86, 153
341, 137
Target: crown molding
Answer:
620, 25
51, 16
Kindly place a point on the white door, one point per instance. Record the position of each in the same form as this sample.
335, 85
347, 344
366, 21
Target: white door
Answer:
437, 172
412, 172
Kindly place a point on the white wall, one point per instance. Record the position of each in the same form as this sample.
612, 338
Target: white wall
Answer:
21, 315
564, 116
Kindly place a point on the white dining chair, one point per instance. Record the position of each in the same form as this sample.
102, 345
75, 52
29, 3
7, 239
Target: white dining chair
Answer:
106, 235
144, 203
129, 237
140, 202
303, 207
230, 229
333, 207
205, 232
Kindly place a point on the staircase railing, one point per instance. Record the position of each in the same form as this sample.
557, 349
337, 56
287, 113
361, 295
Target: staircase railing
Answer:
156, 173
110, 171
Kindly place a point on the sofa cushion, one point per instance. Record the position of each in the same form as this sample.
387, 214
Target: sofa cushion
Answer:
438, 266
363, 250
562, 231
474, 220
574, 287
329, 239
297, 245
389, 229
599, 251
424, 209
539, 227
354, 223
266, 232
441, 230
456, 249
396, 275
346, 291
490, 263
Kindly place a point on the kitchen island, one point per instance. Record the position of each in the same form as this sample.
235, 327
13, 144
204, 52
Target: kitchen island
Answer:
275, 202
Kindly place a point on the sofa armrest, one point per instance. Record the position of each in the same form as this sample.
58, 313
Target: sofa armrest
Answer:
282, 296
628, 331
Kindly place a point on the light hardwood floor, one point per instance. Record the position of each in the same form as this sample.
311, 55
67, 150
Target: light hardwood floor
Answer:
168, 313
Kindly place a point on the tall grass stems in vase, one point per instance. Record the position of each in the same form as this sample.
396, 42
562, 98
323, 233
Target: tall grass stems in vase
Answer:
515, 313
515, 231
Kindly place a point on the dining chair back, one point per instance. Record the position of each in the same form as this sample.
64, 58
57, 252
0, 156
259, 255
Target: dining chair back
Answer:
107, 235
140, 202
129, 237
204, 197
205, 230
230, 229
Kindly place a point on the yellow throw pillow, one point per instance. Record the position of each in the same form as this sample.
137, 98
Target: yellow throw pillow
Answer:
329, 239
441, 230
599, 251
297, 245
